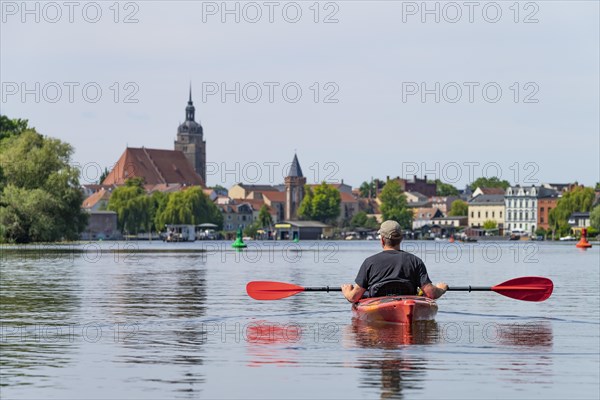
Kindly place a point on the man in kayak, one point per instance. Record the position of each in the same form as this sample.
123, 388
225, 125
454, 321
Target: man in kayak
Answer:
393, 266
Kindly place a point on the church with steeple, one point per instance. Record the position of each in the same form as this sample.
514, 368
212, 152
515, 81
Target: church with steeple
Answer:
294, 190
190, 140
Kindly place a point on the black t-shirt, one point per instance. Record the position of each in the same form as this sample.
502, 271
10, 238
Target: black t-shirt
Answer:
393, 265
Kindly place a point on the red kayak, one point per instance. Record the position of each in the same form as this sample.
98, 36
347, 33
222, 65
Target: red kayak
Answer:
399, 309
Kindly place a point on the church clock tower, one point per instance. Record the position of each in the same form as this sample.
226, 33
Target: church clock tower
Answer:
190, 140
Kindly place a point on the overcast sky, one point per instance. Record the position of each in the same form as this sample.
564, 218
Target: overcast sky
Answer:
385, 89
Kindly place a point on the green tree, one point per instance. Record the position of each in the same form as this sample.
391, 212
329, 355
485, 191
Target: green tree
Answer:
133, 207
40, 200
579, 199
12, 127
394, 205
252, 229
444, 189
595, 218
490, 224
541, 232
220, 190
264, 217
190, 206
492, 182
103, 176
362, 220
322, 204
305, 210
458, 208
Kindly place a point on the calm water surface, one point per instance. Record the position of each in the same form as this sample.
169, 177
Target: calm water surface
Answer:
155, 324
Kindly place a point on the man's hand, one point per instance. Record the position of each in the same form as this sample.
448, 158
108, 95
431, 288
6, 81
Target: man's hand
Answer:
346, 289
442, 285
352, 293
434, 291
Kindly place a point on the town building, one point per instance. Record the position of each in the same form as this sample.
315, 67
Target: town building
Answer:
487, 207
242, 190
305, 230
294, 189
544, 206
419, 185
579, 220
423, 217
446, 226
155, 167
443, 203
102, 225
190, 140
416, 199
97, 201
486, 190
522, 207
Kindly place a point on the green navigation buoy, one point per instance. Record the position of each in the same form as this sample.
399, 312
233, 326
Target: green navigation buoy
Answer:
239, 242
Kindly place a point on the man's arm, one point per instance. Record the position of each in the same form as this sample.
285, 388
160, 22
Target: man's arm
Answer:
434, 291
353, 293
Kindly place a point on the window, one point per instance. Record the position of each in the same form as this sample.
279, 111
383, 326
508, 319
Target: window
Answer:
486, 214
541, 220
500, 214
526, 215
493, 214
542, 209
478, 214
472, 214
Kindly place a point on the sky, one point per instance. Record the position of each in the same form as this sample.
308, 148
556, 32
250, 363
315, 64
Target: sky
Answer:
358, 89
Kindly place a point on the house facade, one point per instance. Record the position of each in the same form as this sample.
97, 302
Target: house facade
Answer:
487, 207
522, 207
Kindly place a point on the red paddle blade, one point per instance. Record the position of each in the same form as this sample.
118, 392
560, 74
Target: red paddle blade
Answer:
266, 290
528, 288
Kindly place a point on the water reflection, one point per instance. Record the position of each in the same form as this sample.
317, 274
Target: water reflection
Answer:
37, 304
272, 343
166, 305
391, 372
526, 365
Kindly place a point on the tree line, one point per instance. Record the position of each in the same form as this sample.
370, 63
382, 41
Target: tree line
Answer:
40, 199
139, 212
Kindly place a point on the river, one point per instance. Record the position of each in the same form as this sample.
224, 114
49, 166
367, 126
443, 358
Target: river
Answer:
156, 320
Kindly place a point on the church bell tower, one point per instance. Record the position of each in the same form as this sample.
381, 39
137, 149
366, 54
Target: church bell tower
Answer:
190, 140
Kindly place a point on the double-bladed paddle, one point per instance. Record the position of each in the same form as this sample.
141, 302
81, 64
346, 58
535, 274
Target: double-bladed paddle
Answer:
527, 288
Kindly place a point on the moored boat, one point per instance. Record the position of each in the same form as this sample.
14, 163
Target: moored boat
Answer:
398, 309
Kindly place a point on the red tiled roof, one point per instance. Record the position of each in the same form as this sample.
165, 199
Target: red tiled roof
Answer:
275, 196
93, 199
347, 198
155, 166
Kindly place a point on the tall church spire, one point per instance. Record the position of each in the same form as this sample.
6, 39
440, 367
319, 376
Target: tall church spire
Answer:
295, 169
190, 139
190, 110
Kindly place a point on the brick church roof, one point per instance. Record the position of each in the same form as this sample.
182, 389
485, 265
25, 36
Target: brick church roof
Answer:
155, 166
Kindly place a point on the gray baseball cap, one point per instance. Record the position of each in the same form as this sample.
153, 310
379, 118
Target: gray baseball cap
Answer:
390, 230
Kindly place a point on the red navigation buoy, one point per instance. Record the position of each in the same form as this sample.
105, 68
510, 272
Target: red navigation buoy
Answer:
583, 242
